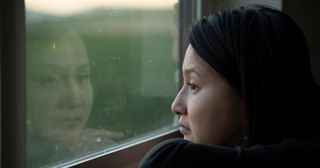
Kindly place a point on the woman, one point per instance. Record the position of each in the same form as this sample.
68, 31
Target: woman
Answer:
249, 98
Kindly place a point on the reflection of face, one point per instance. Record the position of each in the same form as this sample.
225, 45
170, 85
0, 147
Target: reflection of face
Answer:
59, 89
210, 109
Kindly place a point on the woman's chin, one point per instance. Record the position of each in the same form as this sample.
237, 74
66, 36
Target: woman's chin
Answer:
188, 138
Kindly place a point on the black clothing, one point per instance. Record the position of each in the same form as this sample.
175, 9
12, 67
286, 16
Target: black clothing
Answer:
263, 54
182, 153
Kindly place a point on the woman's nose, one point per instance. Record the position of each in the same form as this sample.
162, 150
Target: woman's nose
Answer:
178, 105
73, 95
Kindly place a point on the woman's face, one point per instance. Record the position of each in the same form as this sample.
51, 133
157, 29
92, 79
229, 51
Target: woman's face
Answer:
211, 111
59, 90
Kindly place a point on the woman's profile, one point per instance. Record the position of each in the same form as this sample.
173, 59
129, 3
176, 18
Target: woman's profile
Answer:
248, 98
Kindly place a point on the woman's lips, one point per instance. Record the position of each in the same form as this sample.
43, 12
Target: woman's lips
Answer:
184, 130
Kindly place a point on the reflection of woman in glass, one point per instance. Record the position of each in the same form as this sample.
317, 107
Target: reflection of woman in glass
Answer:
59, 98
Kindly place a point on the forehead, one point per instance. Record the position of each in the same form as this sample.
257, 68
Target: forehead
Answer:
59, 51
193, 61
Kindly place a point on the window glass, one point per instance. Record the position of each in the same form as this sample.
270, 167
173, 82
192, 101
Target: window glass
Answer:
99, 74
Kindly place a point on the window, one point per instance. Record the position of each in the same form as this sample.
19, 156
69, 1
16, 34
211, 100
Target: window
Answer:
98, 75
120, 50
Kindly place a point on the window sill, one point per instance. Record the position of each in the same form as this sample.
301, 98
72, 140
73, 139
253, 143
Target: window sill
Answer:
125, 156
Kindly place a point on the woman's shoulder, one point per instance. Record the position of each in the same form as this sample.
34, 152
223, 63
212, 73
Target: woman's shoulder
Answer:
289, 152
182, 153
179, 152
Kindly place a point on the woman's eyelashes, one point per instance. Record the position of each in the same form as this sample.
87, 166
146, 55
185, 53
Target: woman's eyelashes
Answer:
193, 87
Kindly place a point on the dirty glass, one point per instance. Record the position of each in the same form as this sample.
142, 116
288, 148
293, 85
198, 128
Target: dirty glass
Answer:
99, 74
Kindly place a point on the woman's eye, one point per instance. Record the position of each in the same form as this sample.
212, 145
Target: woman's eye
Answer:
83, 79
193, 87
48, 81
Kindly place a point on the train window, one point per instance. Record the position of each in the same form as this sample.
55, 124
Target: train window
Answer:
99, 74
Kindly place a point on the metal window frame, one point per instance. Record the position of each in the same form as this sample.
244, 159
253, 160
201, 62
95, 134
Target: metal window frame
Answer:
13, 117
124, 157
13, 92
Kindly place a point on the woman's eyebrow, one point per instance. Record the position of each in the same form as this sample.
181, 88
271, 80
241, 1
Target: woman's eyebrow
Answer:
191, 70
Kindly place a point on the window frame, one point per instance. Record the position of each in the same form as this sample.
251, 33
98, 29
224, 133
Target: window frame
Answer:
13, 91
13, 94
128, 155
13, 117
